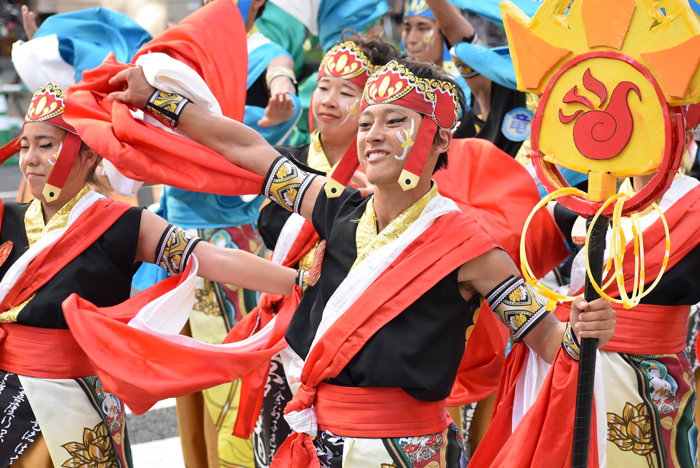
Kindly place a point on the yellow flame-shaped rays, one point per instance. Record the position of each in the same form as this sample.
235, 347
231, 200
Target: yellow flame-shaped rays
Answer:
665, 44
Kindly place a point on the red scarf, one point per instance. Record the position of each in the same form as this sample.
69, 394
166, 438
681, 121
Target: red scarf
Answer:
206, 41
253, 384
450, 242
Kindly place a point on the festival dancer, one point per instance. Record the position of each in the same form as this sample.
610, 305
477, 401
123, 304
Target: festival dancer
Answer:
272, 108
644, 411
396, 281
71, 239
335, 106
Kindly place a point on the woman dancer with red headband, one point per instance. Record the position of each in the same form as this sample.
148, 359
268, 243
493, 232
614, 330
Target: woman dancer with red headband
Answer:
71, 239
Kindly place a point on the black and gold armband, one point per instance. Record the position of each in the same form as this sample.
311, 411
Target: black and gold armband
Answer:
570, 343
286, 184
174, 250
517, 306
166, 107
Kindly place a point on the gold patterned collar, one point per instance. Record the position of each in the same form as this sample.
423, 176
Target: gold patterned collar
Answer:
34, 217
367, 239
317, 157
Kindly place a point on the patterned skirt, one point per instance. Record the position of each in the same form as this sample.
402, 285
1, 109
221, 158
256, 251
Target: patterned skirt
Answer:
82, 425
649, 402
439, 450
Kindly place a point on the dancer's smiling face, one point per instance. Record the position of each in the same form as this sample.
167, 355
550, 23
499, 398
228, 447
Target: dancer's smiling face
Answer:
381, 141
336, 107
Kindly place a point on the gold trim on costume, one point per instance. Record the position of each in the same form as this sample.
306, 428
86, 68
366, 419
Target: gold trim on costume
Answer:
367, 239
318, 160
286, 184
36, 229
175, 250
517, 306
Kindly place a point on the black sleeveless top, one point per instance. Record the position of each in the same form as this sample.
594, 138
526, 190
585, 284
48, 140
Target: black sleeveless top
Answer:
101, 274
419, 350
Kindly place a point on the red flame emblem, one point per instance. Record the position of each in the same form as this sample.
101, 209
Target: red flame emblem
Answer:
601, 133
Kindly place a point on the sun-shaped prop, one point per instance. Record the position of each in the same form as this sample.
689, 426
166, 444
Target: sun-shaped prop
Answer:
613, 76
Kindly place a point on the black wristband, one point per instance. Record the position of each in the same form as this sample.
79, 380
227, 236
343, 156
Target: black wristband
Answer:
166, 107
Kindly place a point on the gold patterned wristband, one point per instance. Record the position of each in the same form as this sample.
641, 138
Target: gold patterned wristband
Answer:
166, 107
517, 306
286, 184
570, 343
277, 72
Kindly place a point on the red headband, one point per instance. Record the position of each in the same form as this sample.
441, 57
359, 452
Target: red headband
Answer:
47, 106
396, 84
347, 62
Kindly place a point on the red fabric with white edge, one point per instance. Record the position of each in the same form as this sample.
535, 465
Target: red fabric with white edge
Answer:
205, 42
253, 384
452, 240
549, 419
142, 368
501, 206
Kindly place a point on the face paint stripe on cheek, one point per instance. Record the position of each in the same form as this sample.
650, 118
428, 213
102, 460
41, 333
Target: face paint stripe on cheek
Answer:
351, 110
406, 142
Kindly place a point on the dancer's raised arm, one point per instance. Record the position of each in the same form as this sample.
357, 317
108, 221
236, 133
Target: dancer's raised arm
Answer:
238, 143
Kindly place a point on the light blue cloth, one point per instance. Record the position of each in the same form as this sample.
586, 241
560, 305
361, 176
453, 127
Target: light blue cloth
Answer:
85, 37
334, 16
491, 10
495, 64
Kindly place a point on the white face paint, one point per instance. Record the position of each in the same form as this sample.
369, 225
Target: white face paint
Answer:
351, 109
429, 39
406, 141
54, 157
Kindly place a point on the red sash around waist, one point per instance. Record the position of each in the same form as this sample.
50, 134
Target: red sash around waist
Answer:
46, 353
377, 412
650, 329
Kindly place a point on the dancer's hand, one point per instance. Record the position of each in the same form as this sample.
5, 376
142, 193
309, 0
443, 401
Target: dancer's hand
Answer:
135, 88
279, 109
29, 22
593, 320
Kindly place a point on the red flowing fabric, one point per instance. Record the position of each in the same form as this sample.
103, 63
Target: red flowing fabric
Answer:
207, 42
143, 369
451, 241
551, 417
253, 384
482, 362
501, 206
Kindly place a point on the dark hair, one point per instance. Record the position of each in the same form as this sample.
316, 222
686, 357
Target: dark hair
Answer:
378, 51
431, 71
98, 183
261, 10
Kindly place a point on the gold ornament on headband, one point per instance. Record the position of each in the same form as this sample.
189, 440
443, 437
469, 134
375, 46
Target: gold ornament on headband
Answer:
347, 62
